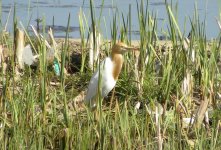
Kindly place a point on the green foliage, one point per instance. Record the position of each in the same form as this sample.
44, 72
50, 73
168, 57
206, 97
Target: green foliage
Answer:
36, 115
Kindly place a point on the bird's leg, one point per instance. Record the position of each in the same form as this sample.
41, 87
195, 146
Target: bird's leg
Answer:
112, 97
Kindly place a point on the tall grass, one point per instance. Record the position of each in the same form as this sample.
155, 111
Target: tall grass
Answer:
83, 43
37, 115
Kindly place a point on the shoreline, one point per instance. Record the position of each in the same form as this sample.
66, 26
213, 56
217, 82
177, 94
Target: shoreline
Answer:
133, 42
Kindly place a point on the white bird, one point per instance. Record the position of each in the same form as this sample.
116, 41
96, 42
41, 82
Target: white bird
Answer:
110, 69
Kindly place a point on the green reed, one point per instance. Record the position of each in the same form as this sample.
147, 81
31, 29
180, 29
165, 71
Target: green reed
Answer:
36, 115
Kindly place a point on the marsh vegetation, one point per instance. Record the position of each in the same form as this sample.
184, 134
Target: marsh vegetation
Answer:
168, 95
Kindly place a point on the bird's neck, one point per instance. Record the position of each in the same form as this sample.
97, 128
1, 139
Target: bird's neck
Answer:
117, 60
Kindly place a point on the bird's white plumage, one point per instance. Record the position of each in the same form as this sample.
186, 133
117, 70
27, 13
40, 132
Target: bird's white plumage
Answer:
106, 79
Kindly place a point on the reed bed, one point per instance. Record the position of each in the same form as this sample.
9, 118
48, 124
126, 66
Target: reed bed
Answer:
158, 89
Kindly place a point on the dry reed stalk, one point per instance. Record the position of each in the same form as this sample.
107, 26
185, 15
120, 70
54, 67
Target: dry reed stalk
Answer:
137, 70
51, 35
201, 112
94, 48
159, 137
19, 47
3, 59
40, 37
54, 46
187, 89
186, 43
191, 53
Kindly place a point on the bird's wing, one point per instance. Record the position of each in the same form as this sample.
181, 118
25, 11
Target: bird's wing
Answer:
108, 81
93, 85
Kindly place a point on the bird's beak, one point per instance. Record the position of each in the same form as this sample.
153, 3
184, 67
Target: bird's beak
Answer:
132, 48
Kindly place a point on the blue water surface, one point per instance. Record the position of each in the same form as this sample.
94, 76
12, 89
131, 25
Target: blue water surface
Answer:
27, 11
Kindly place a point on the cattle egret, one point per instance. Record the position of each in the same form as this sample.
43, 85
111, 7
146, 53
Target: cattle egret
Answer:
110, 69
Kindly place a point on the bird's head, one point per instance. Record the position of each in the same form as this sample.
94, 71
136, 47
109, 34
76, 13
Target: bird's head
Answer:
121, 48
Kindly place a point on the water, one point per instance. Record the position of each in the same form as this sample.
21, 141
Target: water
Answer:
30, 10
